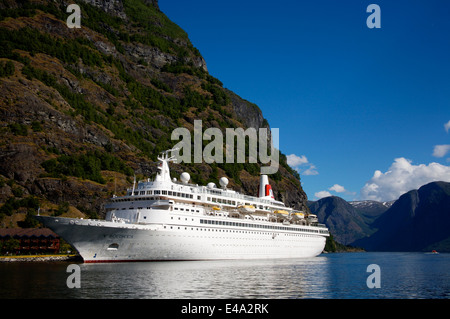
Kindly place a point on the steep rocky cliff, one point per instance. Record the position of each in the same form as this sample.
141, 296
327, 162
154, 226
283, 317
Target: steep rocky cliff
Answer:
82, 110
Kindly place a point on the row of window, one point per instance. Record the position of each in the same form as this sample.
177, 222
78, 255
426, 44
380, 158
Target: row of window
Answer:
187, 209
236, 224
163, 192
221, 201
183, 195
229, 231
227, 223
135, 199
190, 196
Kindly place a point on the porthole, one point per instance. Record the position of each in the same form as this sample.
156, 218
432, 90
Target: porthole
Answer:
113, 246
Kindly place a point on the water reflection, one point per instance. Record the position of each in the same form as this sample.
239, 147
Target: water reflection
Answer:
207, 279
33, 280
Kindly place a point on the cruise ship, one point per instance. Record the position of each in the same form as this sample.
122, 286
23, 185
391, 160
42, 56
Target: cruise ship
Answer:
166, 219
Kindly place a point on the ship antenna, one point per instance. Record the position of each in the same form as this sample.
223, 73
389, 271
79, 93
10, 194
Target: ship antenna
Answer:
173, 158
115, 185
165, 155
134, 184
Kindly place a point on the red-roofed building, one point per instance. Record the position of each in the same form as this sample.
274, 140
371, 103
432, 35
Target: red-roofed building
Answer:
31, 240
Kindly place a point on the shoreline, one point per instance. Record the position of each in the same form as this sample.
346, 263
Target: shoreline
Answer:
40, 258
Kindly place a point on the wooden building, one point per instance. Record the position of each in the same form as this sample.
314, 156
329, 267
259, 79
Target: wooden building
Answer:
28, 241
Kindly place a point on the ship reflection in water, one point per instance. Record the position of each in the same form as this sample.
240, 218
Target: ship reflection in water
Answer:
281, 278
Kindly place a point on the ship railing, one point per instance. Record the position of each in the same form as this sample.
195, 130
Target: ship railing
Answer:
219, 192
201, 190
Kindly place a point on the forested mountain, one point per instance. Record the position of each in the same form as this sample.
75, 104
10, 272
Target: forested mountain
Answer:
84, 109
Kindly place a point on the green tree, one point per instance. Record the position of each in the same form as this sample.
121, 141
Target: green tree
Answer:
10, 245
7, 68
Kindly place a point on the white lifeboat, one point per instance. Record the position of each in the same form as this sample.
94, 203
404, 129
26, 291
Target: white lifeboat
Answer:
246, 208
299, 215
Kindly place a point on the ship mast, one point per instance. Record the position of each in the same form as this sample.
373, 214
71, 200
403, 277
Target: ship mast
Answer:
163, 167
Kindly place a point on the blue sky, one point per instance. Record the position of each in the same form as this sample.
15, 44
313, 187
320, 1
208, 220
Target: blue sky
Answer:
362, 112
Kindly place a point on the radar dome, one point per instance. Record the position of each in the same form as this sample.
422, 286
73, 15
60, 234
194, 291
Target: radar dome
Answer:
223, 182
185, 177
211, 185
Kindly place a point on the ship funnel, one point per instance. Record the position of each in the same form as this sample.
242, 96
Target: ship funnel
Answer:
265, 190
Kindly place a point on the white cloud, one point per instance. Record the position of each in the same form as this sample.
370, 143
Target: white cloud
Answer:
311, 170
337, 188
294, 160
301, 164
402, 177
447, 126
322, 194
441, 150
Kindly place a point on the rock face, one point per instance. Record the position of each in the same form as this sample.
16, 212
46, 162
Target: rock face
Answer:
85, 109
248, 112
113, 7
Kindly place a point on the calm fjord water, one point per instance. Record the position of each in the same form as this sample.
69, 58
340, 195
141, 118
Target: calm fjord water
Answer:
341, 276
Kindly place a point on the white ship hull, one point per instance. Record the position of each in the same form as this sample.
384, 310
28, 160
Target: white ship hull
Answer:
106, 241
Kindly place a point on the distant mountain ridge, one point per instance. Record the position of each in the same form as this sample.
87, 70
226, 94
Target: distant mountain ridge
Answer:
370, 204
345, 221
370, 209
418, 221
